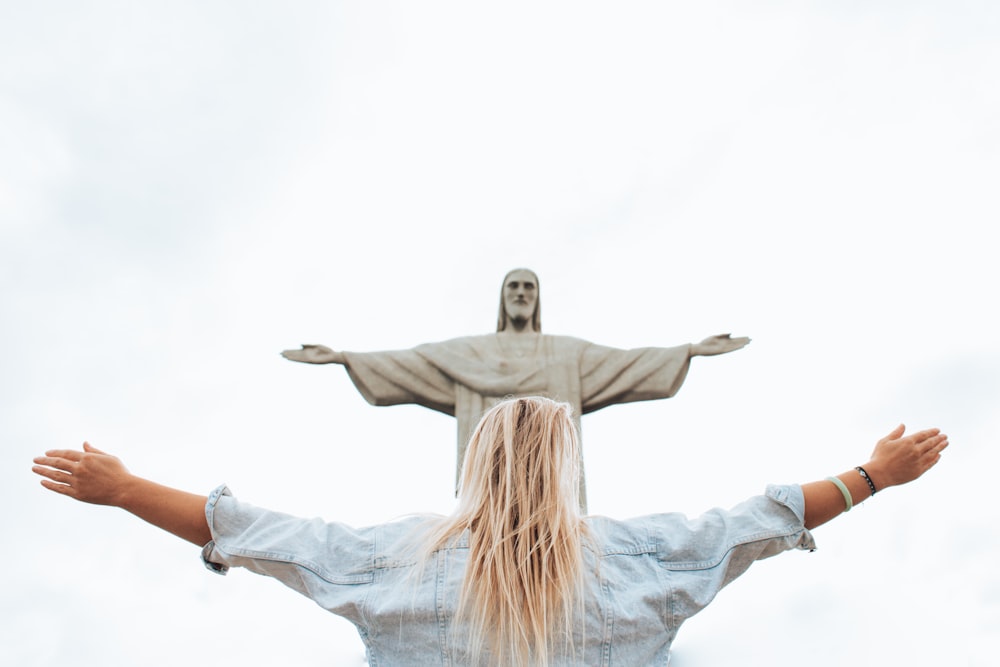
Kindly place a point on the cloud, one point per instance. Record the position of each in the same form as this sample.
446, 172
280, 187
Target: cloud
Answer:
186, 192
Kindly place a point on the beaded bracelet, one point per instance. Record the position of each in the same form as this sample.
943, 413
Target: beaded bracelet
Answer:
871, 484
843, 489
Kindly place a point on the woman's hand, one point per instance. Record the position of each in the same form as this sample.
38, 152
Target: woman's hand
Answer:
899, 459
896, 460
93, 476
90, 475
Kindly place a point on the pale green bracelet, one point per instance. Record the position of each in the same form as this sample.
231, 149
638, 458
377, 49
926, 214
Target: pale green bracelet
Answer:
843, 489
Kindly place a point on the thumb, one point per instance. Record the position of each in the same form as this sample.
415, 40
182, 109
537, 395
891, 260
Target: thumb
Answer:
896, 432
87, 447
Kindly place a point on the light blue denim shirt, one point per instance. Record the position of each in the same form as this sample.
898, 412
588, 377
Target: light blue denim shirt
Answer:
645, 576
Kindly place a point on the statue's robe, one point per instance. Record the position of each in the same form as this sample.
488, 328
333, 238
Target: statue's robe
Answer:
464, 377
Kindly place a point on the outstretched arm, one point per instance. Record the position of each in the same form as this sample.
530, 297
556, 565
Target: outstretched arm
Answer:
719, 344
314, 354
93, 476
896, 460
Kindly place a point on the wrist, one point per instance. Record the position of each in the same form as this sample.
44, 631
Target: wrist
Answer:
877, 474
128, 492
868, 480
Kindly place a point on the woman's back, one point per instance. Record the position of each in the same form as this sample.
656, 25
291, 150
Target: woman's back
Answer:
641, 577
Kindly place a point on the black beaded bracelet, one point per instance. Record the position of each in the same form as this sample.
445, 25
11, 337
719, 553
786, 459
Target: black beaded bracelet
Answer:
871, 484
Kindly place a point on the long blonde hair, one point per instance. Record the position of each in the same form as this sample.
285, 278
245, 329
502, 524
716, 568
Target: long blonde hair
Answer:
519, 501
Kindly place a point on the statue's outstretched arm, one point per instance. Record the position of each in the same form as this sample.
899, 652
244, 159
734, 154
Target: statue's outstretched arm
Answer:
314, 354
719, 344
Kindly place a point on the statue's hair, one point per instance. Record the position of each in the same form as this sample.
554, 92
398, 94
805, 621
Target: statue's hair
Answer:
536, 317
519, 501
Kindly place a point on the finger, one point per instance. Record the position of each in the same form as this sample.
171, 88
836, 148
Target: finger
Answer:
64, 489
68, 454
937, 444
56, 462
932, 459
922, 436
929, 457
55, 475
895, 433
932, 441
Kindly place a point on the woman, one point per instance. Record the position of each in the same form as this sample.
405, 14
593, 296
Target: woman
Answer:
515, 576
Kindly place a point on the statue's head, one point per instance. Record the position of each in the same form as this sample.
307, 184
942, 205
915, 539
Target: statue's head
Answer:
520, 301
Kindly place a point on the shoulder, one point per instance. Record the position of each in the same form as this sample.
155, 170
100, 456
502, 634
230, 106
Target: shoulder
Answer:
399, 542
704, 540
617, 536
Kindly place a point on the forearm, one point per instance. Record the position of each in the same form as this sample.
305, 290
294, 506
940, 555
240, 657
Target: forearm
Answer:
175, 511
93, 476
824, 499
896, 460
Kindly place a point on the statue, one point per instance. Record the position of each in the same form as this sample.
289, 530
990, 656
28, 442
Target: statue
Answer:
465, 377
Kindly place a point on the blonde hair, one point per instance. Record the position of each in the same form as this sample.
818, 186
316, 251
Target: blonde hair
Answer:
519, 501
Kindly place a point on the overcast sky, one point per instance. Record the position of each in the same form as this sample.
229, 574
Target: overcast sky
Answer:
188, 188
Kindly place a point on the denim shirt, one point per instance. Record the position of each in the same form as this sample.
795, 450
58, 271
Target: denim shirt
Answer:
644, 576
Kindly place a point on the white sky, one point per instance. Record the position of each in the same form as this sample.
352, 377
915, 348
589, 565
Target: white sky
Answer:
188, 188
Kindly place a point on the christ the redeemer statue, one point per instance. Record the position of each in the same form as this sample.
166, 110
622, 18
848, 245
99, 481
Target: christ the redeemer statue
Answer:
465, 377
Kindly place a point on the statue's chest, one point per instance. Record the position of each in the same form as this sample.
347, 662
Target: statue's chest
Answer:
521, 349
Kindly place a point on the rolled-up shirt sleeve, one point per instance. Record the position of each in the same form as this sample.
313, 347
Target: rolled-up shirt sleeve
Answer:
328, 562
705, 554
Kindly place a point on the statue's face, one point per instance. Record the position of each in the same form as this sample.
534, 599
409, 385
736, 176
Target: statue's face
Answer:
520, 295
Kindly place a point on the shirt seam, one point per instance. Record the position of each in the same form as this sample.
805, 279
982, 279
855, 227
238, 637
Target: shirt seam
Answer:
277, 557
708, 564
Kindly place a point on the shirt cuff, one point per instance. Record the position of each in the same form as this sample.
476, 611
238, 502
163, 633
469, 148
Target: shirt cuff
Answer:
791, 496
208, 549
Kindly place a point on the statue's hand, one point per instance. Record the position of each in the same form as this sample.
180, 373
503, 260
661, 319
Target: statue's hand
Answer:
314, 354
719, 344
